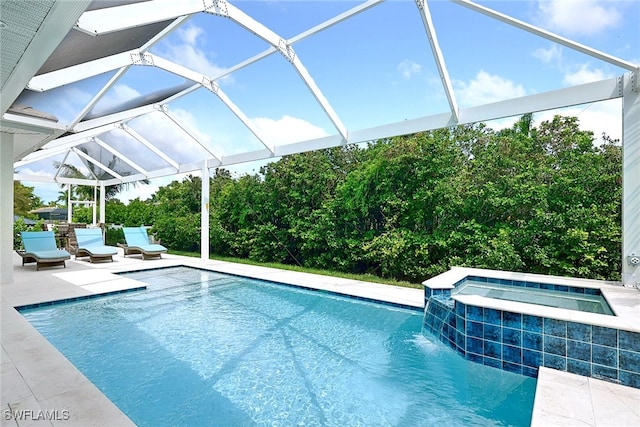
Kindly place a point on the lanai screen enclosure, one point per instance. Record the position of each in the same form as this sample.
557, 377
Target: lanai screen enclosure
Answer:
126, 90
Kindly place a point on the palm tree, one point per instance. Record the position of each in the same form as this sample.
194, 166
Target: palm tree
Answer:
86, 192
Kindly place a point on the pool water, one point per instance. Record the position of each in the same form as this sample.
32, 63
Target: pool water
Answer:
201, 348
549, 298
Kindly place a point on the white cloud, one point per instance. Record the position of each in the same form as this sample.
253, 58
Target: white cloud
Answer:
600, 117
578, 17
551, 55
191, 122
584, 74
118, 96
169, 137
486, 88
69, 104
408, 68
287, 129
191, 33
188, 51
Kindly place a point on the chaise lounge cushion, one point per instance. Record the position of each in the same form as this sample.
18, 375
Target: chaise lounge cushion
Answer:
138, 243
41, 246
90, 244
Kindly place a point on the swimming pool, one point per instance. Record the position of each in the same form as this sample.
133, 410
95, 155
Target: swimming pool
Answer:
550, 298
202, 348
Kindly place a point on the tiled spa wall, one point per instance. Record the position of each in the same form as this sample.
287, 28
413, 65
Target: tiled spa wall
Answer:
522, 343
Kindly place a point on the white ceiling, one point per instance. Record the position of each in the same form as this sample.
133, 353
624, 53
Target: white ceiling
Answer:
49, 44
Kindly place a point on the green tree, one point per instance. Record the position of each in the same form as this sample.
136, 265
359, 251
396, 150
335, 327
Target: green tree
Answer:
115, 212
295, 190
384, 214
24, 199
175, 215
139, 213
82, 214
218, 235
238, 218
534, 198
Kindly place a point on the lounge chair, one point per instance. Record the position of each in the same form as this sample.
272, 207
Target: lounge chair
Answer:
138, 243
90, 244
40, 246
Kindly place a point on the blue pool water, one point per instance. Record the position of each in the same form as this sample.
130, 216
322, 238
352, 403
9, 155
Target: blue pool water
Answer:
201, 348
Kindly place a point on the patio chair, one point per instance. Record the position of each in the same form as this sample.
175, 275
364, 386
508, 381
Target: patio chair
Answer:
138, 243
40, 247
91, 244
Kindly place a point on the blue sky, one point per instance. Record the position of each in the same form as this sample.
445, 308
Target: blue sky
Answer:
371, 69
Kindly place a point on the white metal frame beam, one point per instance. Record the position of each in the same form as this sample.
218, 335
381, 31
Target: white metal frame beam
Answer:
213, 87
51, 179
287, 52
64, 160
98, 164
169, 10
110, 19
150, 146
112, 120
48, 153
98, 96
120, 156
191, 135
631, 181
425, 14
548, 35
54, 79
577, 95
31, 124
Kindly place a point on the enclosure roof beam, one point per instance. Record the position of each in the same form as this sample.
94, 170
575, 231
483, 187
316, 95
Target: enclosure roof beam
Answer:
191, 135
150, 146
120, 156
548, 35
425, 14
98, 164
287, 52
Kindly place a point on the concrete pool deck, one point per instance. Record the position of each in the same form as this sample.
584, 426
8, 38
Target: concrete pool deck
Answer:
41, 387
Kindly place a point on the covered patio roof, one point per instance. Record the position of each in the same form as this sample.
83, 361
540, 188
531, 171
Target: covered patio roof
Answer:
122, 90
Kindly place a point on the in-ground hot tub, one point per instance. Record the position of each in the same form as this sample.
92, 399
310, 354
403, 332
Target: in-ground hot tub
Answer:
591, 303
519, 322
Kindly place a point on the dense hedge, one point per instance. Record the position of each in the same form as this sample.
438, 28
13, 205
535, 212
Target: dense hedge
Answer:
543, 199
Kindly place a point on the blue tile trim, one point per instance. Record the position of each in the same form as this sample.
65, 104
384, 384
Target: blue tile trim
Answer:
76, 299
522, 343
629, 361
579, 367
629, 341
605, 336
555, 345
532, 340
557, 328
579, 350
579, 331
